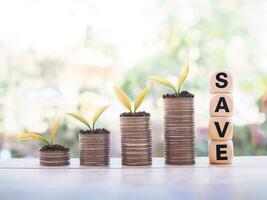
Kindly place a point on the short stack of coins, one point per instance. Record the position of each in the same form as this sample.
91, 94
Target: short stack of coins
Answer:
221, 149
54, 158
94, 149
136, 142
179, 130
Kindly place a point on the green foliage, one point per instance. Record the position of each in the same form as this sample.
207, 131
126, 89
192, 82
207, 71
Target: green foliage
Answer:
169, 84
140, 98
125, 100
54, 130
32, 136
82, 119
35, 136
209, 36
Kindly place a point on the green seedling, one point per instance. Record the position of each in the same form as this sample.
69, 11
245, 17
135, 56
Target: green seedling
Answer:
82, 119
168, 84
35, 136
125, 100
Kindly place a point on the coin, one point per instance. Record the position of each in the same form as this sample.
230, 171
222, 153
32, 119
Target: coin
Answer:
54, 158
179, 130
136, 141
94, 149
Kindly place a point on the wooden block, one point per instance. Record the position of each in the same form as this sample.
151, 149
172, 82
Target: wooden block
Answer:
220, 128
221, 82
221, 105
221, 152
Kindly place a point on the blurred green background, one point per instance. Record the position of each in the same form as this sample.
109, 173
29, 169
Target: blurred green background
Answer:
66, 56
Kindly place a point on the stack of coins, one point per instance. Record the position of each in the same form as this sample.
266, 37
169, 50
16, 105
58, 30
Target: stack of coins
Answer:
54, 158
94, 149
179, 129
136, 141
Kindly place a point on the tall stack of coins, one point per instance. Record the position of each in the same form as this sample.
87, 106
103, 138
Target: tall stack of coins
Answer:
94, 149
136, 141
179, 129
54, 158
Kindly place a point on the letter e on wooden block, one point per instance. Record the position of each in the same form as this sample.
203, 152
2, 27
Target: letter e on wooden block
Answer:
221, 105
221, 152
221, 82
220, 128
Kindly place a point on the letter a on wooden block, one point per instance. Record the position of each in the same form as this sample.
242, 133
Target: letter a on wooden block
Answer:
221, 152
220, 128
221, 82
221, 105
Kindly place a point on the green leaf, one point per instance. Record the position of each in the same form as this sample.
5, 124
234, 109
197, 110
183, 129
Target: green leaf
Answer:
140, 97
97, 114
54, 130
32, 136
80, 118
124, 99
182, 78
163, 82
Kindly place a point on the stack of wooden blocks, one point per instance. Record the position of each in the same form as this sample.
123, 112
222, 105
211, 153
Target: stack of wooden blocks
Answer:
221, 150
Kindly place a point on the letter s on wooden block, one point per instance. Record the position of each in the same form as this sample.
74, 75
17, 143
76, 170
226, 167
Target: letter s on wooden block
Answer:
221, 82
221, 152
221, 105
220, 128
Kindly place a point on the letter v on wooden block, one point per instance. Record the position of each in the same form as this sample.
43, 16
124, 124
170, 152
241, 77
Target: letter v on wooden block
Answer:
221, 152
221, 105
220, 128
221, 82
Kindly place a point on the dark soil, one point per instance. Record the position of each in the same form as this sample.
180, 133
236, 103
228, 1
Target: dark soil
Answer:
96, 131
182, 94
55, 147
136, 114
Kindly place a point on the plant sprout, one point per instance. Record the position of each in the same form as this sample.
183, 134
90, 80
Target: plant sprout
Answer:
82, 119
168, 84
35, 136
125, 100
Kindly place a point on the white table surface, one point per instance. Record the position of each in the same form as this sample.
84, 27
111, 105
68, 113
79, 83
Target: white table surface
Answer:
24, 179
